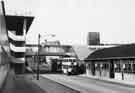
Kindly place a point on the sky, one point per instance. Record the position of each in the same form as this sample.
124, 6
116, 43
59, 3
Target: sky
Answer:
71, 20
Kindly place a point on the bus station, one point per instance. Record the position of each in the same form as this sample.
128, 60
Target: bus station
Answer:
74, 59
115, 62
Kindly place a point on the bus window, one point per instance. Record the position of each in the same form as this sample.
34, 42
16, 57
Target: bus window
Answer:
65, 66
70, 60
74, 60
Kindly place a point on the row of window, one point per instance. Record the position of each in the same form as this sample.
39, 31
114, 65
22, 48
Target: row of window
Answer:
69, 60
103, 66
128, 67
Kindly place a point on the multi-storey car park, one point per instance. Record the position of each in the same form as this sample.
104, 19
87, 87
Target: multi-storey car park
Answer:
13, 29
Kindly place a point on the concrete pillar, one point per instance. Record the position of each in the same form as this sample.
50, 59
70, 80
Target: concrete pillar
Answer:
111, 67
122, 69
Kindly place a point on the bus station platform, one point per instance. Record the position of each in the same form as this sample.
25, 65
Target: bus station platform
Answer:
113, 81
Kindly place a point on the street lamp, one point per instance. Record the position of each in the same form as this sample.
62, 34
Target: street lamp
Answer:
38, 57
38, 54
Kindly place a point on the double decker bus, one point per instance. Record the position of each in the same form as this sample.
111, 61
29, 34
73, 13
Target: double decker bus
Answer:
69, 65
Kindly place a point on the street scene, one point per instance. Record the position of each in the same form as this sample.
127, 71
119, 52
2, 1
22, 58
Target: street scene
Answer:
67, 46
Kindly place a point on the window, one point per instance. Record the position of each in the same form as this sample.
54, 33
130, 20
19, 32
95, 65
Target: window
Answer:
117, 67
105, 66
128, 68
70, 60
74, 60
134, 68
97, 66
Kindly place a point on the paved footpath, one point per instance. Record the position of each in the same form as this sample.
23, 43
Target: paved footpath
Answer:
87, 85
19, 84
28, 84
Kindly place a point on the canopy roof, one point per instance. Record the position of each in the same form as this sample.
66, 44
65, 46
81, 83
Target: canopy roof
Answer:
122, 51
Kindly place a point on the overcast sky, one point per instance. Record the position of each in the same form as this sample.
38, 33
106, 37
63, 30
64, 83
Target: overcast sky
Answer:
71, 20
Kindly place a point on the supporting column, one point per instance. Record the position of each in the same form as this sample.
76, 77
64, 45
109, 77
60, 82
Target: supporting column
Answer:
122, 69
93, 68
112, 69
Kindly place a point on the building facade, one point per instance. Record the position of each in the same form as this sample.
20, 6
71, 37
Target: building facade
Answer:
17, 27
115, 62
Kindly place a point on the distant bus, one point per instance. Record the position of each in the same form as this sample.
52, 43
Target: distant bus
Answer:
69, 66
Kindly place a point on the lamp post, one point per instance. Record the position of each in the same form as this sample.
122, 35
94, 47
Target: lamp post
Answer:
38, 53
38, 60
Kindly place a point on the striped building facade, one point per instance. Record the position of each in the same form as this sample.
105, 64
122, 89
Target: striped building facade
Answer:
17, 27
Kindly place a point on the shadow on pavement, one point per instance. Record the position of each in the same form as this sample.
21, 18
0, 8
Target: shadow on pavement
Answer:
19, 84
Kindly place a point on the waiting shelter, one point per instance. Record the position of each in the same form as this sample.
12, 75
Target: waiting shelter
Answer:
115, 62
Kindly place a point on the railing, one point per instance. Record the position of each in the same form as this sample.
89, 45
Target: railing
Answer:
17, 49
16, 37
17, 54
22, 59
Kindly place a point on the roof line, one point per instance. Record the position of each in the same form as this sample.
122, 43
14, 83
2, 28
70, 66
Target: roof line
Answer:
111, 58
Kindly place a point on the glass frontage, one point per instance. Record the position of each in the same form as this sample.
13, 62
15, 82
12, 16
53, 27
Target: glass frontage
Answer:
126, 65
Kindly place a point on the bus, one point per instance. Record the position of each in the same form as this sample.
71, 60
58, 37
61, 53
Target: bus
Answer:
69, 66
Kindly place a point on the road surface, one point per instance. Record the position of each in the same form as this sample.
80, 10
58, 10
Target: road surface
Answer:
27, 84
87, 85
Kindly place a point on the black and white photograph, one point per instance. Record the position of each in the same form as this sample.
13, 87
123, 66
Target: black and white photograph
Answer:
67, 46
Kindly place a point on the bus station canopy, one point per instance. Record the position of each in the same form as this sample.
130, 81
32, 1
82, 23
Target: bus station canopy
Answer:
119, 52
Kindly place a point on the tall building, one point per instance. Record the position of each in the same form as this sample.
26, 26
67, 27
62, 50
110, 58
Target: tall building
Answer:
17, 28
93, 38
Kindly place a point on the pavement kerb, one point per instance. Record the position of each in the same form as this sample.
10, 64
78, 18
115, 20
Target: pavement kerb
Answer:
61, 84
109, 81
